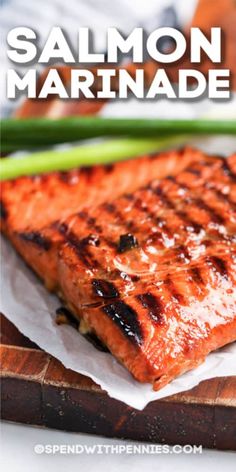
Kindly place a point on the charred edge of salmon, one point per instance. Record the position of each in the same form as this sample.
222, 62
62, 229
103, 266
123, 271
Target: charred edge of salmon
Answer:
3, 210
37, 238
153, 305
66, 316
126, 318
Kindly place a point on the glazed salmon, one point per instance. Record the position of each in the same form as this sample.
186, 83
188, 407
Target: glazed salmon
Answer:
32, 207
153, 272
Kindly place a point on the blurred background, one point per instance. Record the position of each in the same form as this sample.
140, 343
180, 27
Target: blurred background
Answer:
41, 15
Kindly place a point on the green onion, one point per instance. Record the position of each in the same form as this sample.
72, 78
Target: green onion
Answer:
34, 133
102, 153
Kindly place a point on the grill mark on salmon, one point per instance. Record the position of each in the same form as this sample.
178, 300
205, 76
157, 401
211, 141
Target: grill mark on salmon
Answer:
227, 170
3, 211
182, 254
91, 222
196, 201
223, 197
196, 275
104, 289
188, 222
174, 293
92, 226
88, 172
153, 217
193, 171
214, 215
206, 185
220, 266
80, 246
112, 209
125, 317
190, 225
153, 306
139, 204
37, 238
165, 200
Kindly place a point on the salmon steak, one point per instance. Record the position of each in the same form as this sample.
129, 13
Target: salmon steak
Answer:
153, 273
143, 253
32, 207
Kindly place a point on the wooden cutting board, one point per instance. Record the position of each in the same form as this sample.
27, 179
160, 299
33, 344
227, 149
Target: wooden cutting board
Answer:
38, 390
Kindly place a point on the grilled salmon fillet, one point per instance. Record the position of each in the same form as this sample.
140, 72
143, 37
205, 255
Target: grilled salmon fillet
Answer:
153, 272
32, 207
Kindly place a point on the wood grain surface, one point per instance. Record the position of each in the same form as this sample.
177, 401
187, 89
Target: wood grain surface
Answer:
38, 390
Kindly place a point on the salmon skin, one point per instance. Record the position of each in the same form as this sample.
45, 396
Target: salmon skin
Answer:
153, 273
32, 207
